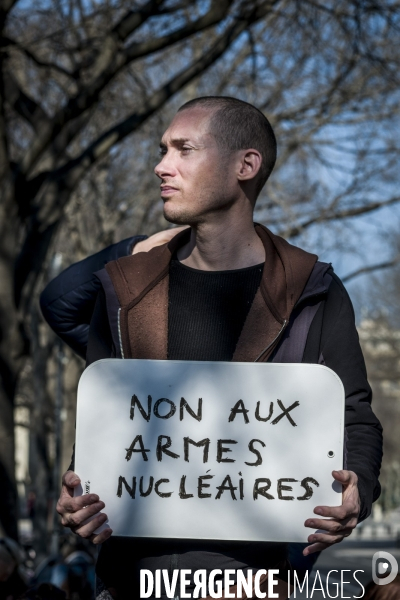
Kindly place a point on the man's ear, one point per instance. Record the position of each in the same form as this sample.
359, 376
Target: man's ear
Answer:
249, 164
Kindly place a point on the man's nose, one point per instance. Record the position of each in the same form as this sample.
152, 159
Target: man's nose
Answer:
165, 168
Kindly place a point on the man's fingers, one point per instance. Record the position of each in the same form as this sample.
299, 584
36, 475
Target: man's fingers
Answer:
161, 237
345, 477
66, 504
342, 476
70, 479
332, 525
81, 513
87, 530
318, 547
329, 538
339, 521
348, 509
99, 538
335, 512
75, 519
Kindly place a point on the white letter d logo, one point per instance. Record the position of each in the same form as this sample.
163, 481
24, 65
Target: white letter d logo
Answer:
378, 570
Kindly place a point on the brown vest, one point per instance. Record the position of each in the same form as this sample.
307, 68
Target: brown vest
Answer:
141, 283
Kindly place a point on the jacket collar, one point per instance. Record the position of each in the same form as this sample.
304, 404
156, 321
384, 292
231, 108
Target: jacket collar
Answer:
318, 282
286, 272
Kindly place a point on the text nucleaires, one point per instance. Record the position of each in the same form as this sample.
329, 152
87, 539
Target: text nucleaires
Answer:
204, 487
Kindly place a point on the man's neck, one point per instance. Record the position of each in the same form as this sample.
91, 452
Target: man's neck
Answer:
222, 246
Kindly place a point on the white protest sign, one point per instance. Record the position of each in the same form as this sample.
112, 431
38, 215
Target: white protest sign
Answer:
210, 450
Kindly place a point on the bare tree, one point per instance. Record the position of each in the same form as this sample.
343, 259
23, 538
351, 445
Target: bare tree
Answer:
78, 78
57, 60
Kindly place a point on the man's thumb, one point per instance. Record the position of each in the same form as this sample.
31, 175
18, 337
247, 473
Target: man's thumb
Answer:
71, 479
342, 476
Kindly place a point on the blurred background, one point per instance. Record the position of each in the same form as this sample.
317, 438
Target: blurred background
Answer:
87, 89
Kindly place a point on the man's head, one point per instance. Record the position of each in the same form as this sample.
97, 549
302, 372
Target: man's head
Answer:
216, 151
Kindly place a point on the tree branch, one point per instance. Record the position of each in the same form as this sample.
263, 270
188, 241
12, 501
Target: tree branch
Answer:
111, 44
21, 102
173, 9
370, 268
135, 18
43, 63
72, 171
111, 62
5, 7
340, 214
217, 12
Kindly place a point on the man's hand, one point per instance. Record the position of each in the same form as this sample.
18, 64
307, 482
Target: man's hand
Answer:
75, 511
162, 237
342, 519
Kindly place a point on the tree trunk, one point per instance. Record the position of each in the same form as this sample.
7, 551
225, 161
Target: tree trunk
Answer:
11, 357
39, 463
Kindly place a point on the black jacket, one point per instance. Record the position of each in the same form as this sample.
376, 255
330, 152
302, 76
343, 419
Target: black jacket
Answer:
69, 302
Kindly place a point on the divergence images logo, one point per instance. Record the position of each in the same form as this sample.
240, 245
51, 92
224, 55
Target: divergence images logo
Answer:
378, 570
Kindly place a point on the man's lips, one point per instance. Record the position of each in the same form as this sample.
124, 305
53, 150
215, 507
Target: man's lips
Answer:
167, 190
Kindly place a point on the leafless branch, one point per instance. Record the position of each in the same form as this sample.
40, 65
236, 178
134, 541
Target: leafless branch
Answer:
370, 269
5, 7
340, 214
108, 64
25, 106
72, 171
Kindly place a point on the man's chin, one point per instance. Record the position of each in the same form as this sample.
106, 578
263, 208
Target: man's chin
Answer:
177, 218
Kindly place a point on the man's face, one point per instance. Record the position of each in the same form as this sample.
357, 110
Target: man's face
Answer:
197, 179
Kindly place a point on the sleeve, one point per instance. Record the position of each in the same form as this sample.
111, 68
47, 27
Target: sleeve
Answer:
341, 352
100, 343
68, 301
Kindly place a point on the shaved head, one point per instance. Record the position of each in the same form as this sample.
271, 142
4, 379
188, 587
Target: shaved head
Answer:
238, 125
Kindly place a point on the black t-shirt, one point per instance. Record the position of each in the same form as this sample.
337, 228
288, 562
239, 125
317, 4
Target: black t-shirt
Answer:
207, 310
206, 313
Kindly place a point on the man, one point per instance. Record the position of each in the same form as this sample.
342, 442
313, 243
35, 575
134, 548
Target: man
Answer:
225, 290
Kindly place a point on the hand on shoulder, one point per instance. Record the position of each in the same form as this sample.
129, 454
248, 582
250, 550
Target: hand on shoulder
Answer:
157, 239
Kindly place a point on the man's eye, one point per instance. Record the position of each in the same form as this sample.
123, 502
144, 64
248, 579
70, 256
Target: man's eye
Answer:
186, 150
162, 151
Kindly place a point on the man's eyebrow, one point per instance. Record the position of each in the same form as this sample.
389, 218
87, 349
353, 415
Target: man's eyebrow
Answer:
175, 142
